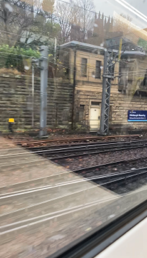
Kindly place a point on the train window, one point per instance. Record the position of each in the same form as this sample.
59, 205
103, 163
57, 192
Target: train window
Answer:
73, 120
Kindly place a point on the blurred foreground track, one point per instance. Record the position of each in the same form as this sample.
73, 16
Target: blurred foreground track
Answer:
44, 206
40, 198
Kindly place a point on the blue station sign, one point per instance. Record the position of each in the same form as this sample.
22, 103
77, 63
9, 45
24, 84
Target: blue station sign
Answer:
137, 116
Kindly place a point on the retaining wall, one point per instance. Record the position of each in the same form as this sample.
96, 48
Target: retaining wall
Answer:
16, 102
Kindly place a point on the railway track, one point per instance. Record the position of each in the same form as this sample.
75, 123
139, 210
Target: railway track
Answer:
26, 143
88, 149
87, 143
37, 205
61, 152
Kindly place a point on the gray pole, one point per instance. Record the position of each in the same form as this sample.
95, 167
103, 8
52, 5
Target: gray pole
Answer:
103, 93
43, 90
32, 95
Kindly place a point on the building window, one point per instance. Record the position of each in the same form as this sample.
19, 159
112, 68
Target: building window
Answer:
95, 103
98, 70
84, 67
81, 113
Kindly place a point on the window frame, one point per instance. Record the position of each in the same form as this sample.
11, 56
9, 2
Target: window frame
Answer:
94, 242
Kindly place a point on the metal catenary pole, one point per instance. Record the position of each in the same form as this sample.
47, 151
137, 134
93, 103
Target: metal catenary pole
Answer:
74, 87
43, 90
32, 95
107, 77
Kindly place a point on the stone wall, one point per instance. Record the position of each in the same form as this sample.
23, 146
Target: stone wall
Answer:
120, 104
16, 102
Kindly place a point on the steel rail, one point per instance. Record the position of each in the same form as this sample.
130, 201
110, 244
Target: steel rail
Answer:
83, 144
76, 148
95, 153
60, 149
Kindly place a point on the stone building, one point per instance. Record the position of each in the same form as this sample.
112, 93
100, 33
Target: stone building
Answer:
86, 74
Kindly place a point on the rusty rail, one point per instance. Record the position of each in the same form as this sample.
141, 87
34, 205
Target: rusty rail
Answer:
59, 140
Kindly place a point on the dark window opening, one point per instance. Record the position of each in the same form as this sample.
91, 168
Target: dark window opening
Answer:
95, 103
84, 67
81, 113
67, 73
98, 70
110, 114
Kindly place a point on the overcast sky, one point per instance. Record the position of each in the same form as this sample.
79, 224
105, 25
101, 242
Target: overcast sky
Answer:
109, 6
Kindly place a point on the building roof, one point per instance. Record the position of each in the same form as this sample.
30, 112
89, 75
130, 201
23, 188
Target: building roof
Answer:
90, 47
81, 45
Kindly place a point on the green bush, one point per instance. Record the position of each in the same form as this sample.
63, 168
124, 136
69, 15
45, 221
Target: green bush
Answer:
19, 51
13, 57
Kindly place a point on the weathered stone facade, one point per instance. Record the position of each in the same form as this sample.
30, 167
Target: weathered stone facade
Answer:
119, 106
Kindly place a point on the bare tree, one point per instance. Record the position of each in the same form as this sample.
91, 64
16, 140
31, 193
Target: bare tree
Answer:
76, 16
63, 12
28, 22
15, 16
21, 20
85, 15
